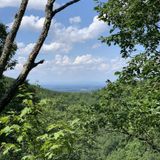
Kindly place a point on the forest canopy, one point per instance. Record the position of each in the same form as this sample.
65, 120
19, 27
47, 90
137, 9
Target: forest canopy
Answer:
118, 122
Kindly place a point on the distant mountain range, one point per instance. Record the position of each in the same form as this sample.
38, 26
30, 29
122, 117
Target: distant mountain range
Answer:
74, 88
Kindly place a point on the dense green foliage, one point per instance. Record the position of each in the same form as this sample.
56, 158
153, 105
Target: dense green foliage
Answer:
133, 22
118, 122
133, 109
55, 128
132, 102
46, 129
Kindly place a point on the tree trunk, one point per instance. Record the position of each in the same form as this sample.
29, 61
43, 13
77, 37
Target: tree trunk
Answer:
30, 64
11, 37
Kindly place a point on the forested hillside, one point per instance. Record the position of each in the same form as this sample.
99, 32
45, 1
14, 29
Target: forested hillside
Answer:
118, 122
42, 124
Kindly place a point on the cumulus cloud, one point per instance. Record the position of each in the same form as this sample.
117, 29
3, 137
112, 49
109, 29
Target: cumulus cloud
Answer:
67, 68
86, 62
86, 59
62, 38
83, 62
55, 47
33, 4
66, 34
74, 34
21, 61
31, 22
24, 49
74, 20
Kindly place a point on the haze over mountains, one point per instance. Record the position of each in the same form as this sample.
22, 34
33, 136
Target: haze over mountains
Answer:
74, 87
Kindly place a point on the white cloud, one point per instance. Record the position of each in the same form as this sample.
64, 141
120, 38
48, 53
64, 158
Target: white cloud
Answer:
24, 49
71, 33
9, 3
82, 62
74, 20
56, 47
86, 59
85, 62
33, 4
31, 23
20, 44
21, 61
61, 60
68, 69
63, 38
74, 34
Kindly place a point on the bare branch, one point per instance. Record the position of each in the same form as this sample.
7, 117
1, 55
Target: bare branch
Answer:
11, 36
64, 6
37, 63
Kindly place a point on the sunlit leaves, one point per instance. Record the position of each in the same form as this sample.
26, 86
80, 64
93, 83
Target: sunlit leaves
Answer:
133, 23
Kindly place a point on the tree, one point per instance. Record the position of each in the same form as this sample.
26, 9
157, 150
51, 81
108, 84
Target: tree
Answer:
10, 63
3, 34
11, 37
130, 105
59, 127
30, 64
132, 22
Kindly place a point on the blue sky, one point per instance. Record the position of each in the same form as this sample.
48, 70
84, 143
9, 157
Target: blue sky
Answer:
72, 52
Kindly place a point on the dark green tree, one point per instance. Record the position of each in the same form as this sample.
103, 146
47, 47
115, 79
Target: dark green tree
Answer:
11, 63
3, 34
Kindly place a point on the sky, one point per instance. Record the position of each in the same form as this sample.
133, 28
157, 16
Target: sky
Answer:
72, 52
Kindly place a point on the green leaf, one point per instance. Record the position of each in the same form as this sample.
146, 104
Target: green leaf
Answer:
58, 134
